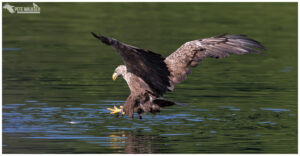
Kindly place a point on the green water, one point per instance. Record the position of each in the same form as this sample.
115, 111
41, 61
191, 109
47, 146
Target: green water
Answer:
57, 80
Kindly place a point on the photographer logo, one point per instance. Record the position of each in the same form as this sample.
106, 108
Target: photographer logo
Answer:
35, 9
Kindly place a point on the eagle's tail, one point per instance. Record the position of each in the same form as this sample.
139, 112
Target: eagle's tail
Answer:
154, 106
163, 102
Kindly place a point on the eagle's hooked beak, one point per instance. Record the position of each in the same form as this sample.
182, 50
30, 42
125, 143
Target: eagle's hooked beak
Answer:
114, 76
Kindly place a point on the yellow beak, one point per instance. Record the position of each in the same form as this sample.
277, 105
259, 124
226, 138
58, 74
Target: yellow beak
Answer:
114, 76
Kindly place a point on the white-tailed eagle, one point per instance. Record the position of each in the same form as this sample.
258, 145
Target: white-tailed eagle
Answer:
149, 75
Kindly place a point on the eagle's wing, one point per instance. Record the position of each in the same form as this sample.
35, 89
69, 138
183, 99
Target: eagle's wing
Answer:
192, 53
144, 63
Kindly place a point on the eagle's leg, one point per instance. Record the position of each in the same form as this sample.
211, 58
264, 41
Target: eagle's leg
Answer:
140, 111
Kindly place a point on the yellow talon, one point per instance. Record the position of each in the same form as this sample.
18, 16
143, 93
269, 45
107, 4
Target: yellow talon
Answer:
110, 109
116, 110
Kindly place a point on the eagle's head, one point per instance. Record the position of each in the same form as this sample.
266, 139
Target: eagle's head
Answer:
119, 71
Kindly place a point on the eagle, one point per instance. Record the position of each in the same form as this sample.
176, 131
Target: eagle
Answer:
149, 75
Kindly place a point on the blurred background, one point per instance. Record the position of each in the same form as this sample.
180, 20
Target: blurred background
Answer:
57, 79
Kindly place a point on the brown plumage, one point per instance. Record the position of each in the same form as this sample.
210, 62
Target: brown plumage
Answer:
149, 75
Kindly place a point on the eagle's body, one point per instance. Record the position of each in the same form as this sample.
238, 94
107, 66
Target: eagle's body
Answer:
149, 75
142, 98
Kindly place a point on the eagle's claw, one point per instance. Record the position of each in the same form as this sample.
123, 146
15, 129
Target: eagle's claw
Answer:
116, 110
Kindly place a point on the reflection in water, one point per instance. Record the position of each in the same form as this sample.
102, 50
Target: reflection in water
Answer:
139, 143
117, 140
133, 144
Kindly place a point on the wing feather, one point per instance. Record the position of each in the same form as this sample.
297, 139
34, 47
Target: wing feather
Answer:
145, 64
192, 53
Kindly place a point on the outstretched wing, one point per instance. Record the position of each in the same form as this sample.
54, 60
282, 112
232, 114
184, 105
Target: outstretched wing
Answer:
192, 53
144, 63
